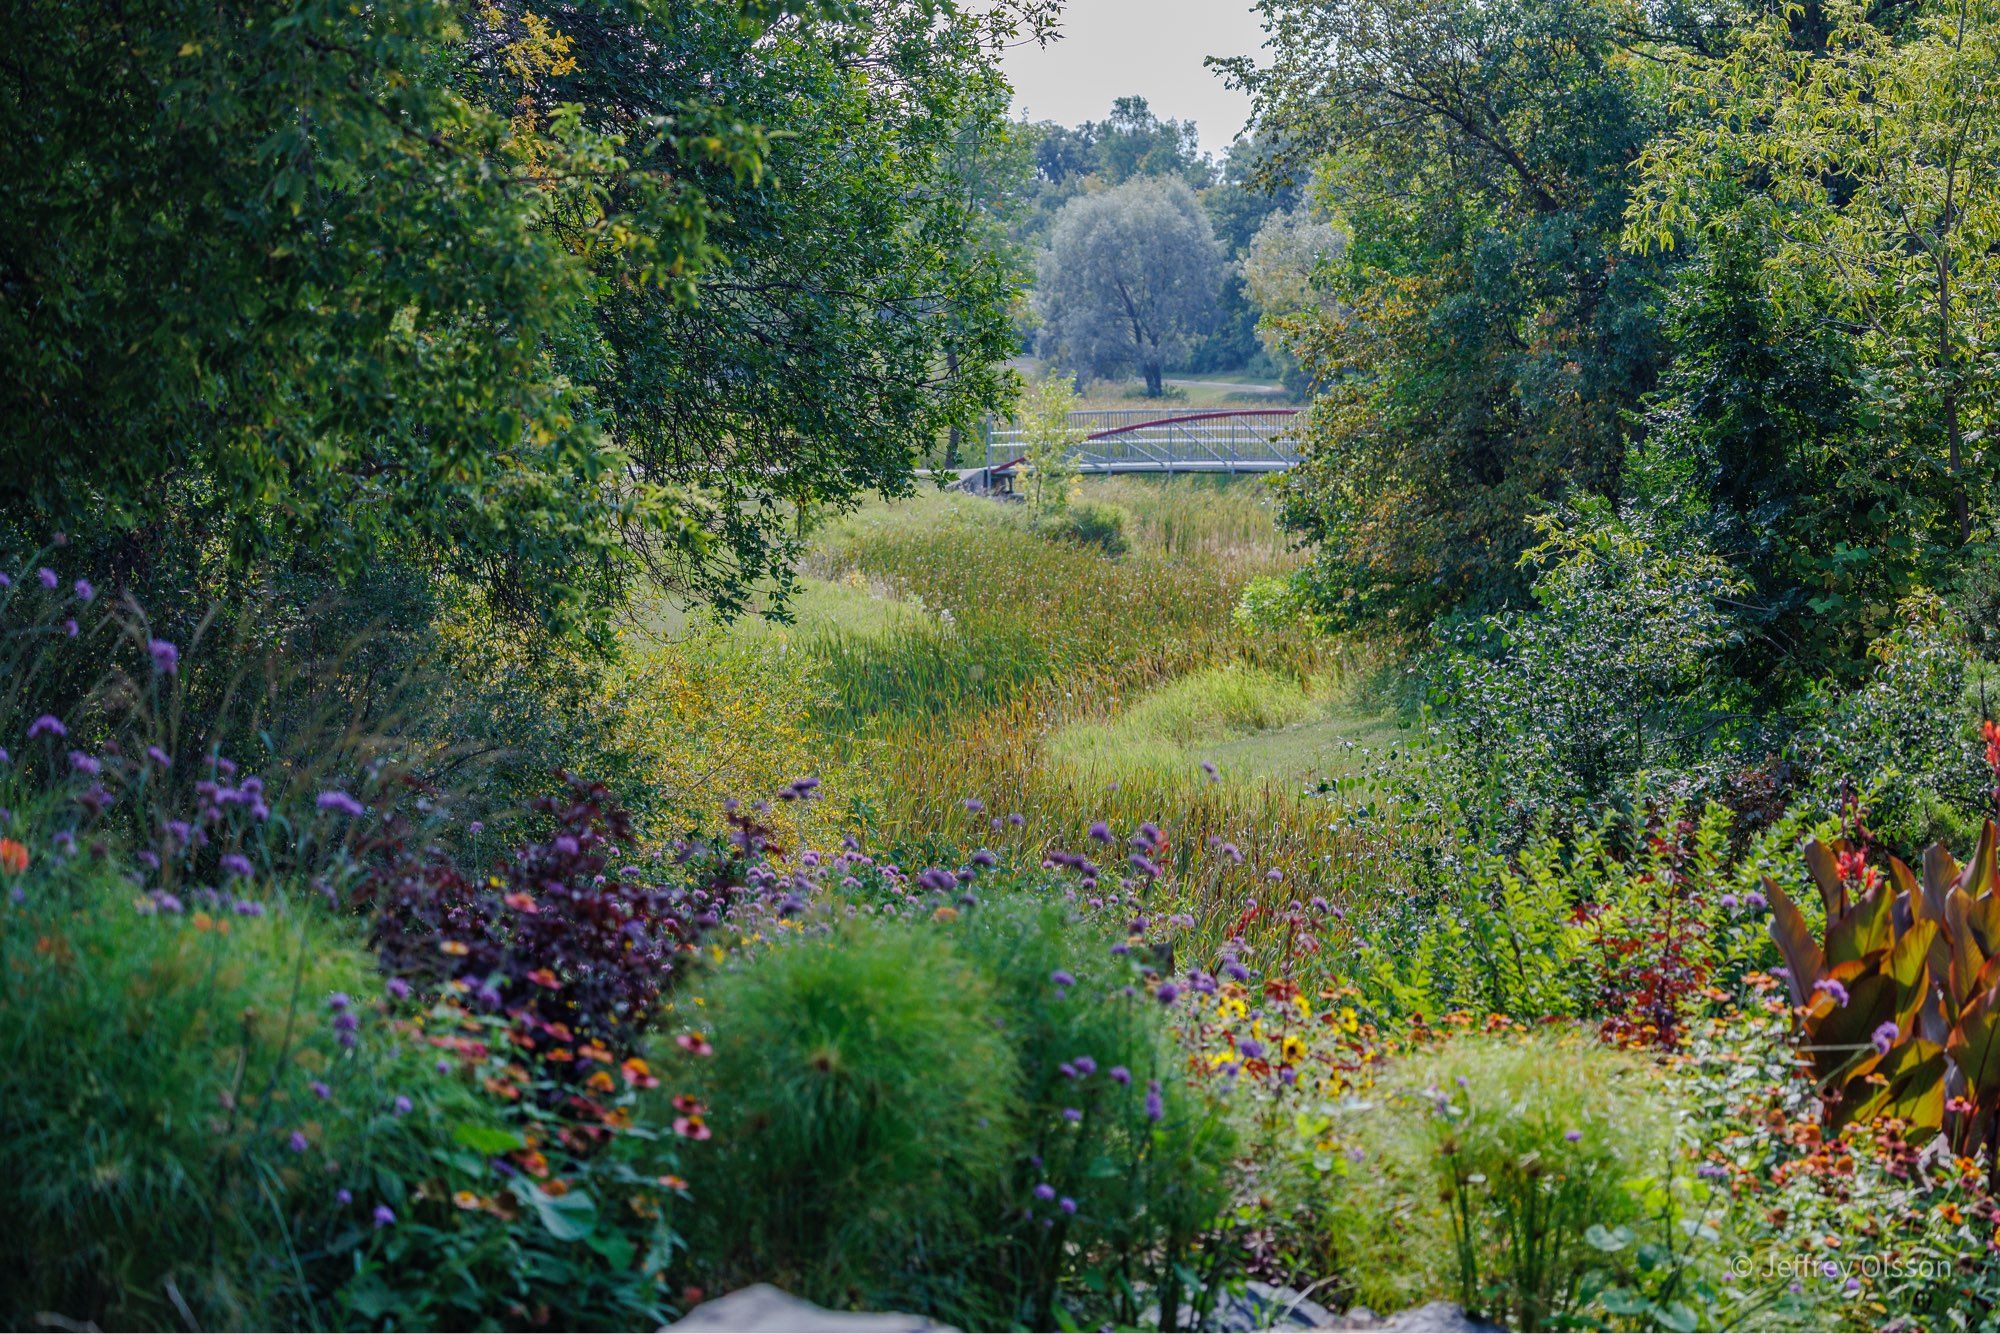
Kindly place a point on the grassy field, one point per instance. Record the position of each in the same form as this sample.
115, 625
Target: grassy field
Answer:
945, 649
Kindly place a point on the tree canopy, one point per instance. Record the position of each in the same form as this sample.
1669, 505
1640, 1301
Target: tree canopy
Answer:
506, 296
1129, 277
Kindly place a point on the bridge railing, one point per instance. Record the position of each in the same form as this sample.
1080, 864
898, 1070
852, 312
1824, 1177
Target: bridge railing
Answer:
1144, 440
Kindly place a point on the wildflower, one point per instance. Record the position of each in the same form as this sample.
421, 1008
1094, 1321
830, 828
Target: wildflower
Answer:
1168, 993
398, 988
384, 1216
695, 1044
1045, 1191
321, 1090
83, 590
47, 725
984, 858
1098, 830
1156, 1109
973, 805
13, 856
1208, 767
159, 757
164, 654
1573, 1136
1016, 819
1066, 1204
333, 799
1120, 1075
299, 1142
402, 1105
1072, 1115
1885, 1036
1834, 990
344, 1196
339, 1001
1712, 1172
1084, 1066
1251, 1048
48, 577
692, 1127
1274, 875
70, 628
1063, 978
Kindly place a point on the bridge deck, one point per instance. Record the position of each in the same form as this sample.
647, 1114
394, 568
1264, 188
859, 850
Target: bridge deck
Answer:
1141, 440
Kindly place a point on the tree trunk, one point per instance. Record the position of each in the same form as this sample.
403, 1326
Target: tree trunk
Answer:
1954, 430
1155, 380
951, 440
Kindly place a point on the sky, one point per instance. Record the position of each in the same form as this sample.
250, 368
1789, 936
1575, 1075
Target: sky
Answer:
1111, 48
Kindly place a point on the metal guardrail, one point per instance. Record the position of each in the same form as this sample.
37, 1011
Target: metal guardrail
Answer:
1140, 440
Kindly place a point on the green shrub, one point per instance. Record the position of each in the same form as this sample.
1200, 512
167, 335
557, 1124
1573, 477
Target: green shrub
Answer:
1144, 1160
1482, 1171
863, 1105
1091, 523
154, 1068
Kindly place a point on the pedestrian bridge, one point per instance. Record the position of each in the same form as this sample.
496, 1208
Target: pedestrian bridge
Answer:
1143, 441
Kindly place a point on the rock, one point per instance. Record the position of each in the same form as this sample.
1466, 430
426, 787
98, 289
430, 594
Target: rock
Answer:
1430, 1318
1264, 1306
761, 1307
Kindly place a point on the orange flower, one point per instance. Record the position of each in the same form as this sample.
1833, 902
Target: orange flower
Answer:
13, 856
555, 1189
601, 1081
452, 947
543, 977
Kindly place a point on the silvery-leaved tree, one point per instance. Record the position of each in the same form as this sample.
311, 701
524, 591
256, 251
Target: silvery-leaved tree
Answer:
1130, 275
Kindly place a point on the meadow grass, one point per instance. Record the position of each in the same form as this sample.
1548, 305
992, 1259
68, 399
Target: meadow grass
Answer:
954, 651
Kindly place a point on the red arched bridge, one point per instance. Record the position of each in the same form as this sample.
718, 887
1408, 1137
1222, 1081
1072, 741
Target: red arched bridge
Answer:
1142, 440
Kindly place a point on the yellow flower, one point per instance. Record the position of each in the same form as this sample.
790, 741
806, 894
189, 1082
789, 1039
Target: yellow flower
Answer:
465, 1199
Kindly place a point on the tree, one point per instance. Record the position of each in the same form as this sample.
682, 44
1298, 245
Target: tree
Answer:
502, 298
1487, 341
1129, 276
1863, 177
1048, 437
1280, 269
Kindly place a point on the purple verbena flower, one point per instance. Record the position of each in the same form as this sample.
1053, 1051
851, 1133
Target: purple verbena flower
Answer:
335, 800
165, 655
83, 590
47, 725
48, 577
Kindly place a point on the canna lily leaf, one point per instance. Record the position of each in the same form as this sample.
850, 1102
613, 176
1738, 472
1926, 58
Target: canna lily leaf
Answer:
1803, 959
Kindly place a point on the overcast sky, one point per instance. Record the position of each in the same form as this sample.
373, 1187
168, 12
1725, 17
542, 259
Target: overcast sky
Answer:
1110, 48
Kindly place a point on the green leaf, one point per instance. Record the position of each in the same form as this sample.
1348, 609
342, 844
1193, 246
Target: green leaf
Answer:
491, 1141
570, 1217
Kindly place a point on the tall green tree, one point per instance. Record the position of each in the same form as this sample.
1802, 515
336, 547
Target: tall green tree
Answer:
1130, 276
1856, 179
1487, 339
502, 294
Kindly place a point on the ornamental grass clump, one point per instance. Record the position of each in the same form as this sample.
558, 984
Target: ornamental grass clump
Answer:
1123, 1169
1482, 1171
863, 1104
